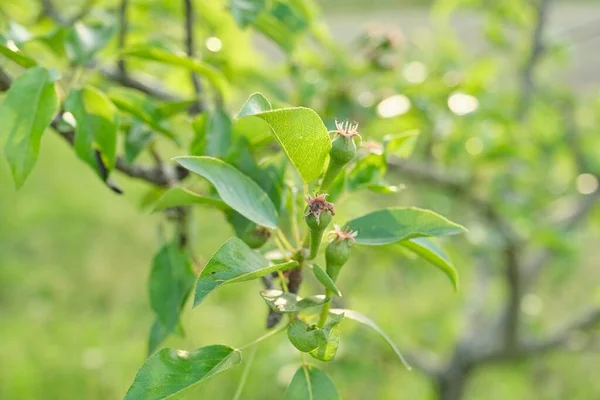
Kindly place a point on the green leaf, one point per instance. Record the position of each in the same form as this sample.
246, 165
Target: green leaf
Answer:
158, 334
244, 12
179, 196
213, 75
368, 171
83, 41
256, 104
302, 135
212, 134
333, 330
96, 131
325, 279
29, 107
170, 283
285, 302
171, 371
358, 317
311, 383
391, 225
17, 56
171, 108
429, 251
400, 144
305, 337
137, 139
235, 189
233, 262
141, 108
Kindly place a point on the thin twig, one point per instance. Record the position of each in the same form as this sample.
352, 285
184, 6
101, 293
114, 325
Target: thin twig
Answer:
190, 50
123, 28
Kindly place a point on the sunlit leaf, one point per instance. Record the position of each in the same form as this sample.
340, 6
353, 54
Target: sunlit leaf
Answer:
391, 225
96, 130
171, 371
16, 56
311, 383
233, 262
236, 189
400, 144
302, 135
358, 317
256, 104
30, 105
429, 251
285, 302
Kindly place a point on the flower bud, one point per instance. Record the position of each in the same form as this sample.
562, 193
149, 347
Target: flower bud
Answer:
318, 215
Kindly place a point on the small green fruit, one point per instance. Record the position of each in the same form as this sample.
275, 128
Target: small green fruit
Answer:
338, 251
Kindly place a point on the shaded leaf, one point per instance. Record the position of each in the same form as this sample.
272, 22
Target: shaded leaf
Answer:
358, 317
83, 41
429, 251
233, 262
332, 330
171, 371
96, 130
244, 12
137, 139
305, 337
158, 334
303, 137
212, 134
236, 189
368, 171
311, 383
170, 283
28, 109
325, 279
285, 302
391, 225
213, 75
400, 144
179, 196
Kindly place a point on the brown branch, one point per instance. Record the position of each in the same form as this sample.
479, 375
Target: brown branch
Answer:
150, 88
123, 28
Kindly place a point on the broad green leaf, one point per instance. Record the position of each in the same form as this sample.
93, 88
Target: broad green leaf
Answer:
400, 144
332, 330
391, 225
171, 108
244, 12
178, 196
141, 108
212, 134
233, 262
83, 41
283, 24
96, 130
236, 189
137, 139
213, 75
170, 283
158, 334
28, 109
429, 251
17, 56
305, 337
285, 302
385, 189
256, 104
325, 279
358, 317
171, 371
303, 137
311, 383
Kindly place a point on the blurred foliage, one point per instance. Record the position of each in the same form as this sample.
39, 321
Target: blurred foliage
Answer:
74, 257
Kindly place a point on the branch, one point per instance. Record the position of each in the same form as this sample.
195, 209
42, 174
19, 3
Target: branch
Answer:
537, 49
190, 50
123, 28
153, 89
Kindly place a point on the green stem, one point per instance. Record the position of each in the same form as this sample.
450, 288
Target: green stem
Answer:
263, 337
333, 169
325, 310
315, 242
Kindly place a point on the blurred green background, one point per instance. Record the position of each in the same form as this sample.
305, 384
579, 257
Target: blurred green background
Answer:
75, 258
